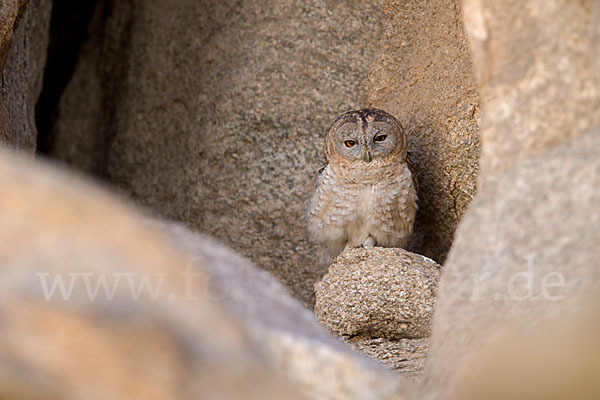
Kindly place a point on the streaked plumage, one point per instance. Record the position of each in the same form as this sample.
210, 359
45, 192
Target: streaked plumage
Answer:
366, 194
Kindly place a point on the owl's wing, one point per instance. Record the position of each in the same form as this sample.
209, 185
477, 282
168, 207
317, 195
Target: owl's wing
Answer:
319, 176
413, 171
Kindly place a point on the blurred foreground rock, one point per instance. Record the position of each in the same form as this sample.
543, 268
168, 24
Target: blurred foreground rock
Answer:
286, 332
123, 340
526, 253
558, 360
539, 77
97, 303
381, 300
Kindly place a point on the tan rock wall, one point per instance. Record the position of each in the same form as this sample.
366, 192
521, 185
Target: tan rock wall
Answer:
10, 14
215, 113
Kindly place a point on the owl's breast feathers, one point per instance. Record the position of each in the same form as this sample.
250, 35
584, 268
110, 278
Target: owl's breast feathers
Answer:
350, 205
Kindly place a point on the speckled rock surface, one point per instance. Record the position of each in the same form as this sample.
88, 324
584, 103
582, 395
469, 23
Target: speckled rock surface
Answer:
378, 292
23, 75
10, 14
215, 112
527, 250
423, 76
406, 356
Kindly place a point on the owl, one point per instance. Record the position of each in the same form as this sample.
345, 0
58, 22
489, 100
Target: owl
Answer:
365, 195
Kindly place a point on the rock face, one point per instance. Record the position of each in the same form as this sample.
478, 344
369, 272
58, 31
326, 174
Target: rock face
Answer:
378, 298
526, 252
423, 76
23, 73
406, 356
223, 125
10, 13
215, 113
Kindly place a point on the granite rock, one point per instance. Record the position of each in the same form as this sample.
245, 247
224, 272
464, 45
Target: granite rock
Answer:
406, 356
23, 74
378, 292
380, 301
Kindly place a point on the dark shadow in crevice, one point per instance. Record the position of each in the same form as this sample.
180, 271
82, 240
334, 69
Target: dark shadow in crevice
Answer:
68, 33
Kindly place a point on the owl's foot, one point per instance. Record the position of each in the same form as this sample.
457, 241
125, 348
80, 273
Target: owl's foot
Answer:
370, 242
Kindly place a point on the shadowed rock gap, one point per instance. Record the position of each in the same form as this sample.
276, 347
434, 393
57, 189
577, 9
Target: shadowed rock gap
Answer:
68, 33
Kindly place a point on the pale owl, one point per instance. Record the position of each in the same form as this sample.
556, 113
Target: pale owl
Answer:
365, 195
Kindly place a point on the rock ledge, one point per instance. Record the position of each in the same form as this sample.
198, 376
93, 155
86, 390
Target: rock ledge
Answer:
378, 293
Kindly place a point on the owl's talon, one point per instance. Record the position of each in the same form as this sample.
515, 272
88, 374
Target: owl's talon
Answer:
370, 242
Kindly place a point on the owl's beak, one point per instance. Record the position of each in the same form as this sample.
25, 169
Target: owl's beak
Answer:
367, 156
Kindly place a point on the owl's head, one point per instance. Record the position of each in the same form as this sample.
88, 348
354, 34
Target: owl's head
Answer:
366, 136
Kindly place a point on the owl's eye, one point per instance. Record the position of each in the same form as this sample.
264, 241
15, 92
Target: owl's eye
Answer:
350, 143
380, 138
